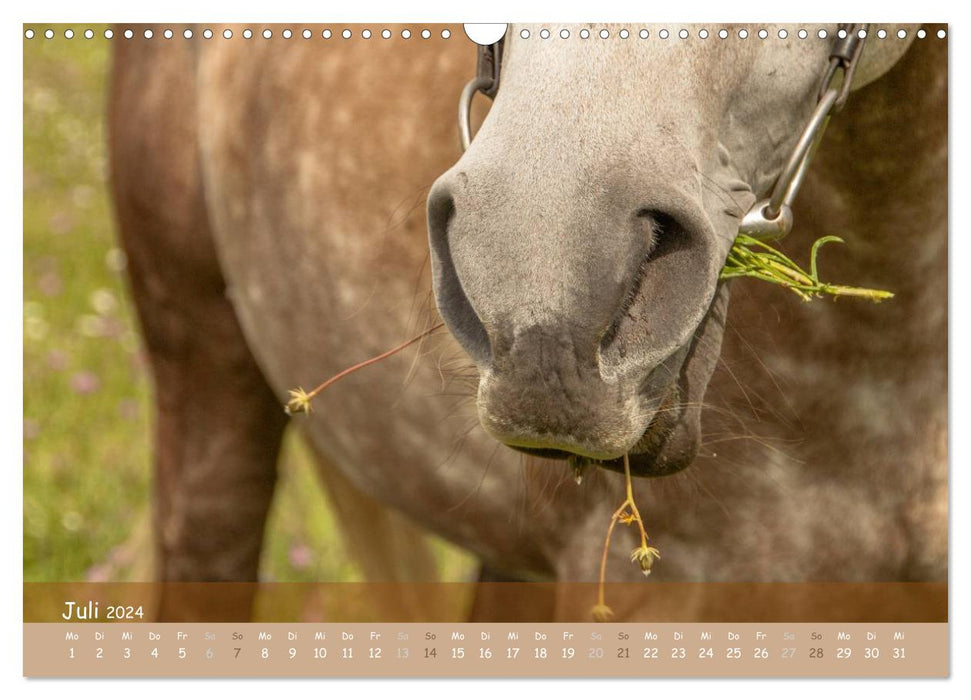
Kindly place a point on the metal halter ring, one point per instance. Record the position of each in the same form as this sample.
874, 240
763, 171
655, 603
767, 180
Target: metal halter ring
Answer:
486, 81
465, 108
771, 219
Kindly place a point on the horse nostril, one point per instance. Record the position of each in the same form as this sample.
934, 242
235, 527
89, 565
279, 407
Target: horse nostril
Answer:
658, 228
453, 303
663, 295
657, 232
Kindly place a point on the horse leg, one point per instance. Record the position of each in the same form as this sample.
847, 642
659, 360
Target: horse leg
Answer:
219, 425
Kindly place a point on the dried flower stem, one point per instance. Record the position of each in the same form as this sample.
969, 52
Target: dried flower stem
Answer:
644, 555
300, 399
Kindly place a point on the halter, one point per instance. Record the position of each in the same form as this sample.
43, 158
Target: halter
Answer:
768, 219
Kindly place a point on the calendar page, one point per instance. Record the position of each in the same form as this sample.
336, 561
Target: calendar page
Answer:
593, 350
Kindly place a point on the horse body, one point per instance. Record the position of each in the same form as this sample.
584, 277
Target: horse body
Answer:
271, 197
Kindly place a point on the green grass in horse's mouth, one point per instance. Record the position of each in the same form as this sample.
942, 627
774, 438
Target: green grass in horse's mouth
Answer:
750, 257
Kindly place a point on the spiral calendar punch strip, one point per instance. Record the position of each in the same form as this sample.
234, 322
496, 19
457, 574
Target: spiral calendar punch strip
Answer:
478, 33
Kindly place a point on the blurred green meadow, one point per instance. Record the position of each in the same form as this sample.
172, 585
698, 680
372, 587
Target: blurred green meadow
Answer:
88, 410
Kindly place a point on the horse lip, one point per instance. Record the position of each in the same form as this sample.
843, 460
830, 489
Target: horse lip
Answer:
616, 464
642, 464
543, 453
556, 452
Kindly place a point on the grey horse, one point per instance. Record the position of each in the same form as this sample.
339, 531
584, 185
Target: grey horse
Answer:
271, 197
